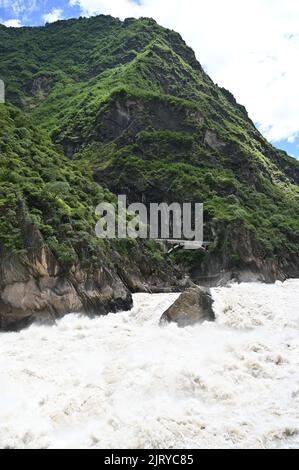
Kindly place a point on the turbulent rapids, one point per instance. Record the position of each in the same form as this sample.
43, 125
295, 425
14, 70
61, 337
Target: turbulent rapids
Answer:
122, 381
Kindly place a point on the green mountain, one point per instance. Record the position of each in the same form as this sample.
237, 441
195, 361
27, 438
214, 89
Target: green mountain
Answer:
98, 107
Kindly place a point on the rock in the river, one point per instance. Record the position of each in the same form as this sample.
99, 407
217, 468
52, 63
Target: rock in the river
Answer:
195, 305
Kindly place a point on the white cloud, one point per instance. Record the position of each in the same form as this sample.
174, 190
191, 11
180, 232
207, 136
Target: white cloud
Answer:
13, 23
19, 10
117, 8
251, 47
19, 6
54, 15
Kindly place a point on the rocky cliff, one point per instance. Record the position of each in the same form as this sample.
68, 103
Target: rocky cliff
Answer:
98, 107
51, 262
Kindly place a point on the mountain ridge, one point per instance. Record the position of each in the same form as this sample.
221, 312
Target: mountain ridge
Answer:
129, 109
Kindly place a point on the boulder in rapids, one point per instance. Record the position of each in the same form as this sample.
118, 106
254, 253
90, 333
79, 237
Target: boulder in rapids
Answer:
195, 305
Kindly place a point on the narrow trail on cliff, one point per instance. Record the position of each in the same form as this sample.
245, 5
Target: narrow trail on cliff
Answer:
122, 381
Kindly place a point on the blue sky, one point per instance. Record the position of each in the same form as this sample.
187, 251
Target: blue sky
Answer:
250, 47
290, 148
34, 12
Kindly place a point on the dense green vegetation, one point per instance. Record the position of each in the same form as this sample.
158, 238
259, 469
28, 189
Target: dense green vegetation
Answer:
39, 185
127, 106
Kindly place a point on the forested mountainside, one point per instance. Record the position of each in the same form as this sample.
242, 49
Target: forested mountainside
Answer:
98, 107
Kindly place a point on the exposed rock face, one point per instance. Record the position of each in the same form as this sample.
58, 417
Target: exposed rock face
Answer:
125, 117
193, 306
34, 289
40, 86
218, 268
213, 141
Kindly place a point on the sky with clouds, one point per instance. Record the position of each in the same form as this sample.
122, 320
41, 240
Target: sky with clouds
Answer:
250, 47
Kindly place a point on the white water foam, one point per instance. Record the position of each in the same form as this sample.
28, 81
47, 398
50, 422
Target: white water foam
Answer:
122, 381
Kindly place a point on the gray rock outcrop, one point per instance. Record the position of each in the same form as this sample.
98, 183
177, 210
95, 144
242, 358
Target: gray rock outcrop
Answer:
195, 305
34, 289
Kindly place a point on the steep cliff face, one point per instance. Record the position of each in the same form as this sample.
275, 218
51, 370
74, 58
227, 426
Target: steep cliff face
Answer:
170, 151
51, 262
98, 107
34, 290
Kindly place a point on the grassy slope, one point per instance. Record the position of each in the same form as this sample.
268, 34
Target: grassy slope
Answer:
40, 184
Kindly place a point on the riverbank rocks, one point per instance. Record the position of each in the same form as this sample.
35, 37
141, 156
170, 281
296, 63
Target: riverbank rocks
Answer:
195, 305
34, 289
